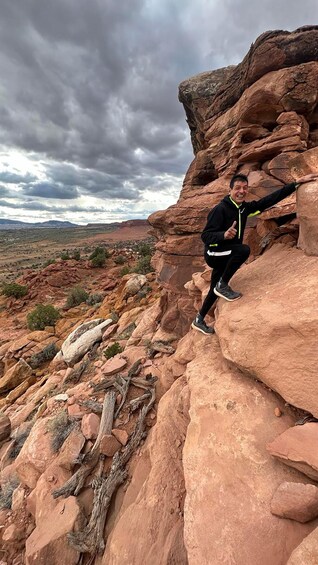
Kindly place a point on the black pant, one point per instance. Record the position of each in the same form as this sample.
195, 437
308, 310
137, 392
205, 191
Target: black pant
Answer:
224, 267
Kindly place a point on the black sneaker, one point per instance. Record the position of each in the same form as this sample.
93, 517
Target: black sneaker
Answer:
223, 290
200, 325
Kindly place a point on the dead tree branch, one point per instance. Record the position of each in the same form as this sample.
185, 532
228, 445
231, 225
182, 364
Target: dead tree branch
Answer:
91, 538
75, 484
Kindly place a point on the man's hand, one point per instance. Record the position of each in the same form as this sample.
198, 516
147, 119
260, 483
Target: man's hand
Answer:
307, 178
231, 232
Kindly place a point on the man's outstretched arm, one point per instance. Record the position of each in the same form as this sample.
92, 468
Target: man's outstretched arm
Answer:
257, 206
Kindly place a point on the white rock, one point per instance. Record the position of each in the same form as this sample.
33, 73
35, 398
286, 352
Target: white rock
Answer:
82, 339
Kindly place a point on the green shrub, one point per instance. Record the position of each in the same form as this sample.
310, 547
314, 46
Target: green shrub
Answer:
125, 270
65, 256
144, 249
143, 266
47, 354
43, 315
99, 256
112, 350
94, 299
14, 289
120, 260
76, 296
76, 254
60, 428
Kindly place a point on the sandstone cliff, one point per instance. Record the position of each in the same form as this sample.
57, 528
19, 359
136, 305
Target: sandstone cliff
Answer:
225, 476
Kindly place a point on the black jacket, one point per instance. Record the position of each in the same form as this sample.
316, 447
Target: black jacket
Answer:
222, 216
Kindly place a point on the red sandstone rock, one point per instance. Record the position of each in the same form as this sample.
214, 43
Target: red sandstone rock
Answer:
14, 376
307, 551
5, 428
278, 344
75, 411
109, 331
231, 420
298, 447
36, 454
120, 435
12, 534
113, 365
90, 426
295, 501
109, 445
49, 544
307, 206
40, 502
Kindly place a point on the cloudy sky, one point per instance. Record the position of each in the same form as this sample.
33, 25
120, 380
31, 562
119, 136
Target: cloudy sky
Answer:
91, 129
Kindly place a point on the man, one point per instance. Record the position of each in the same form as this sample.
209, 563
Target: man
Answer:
223, 236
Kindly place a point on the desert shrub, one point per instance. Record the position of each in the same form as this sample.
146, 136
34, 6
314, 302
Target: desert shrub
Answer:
47, 354
144, 249
143, 266
14, 289
6, 492
76, 254
60, 428
43, 315
49, 262
120, 260
76, 296
94, 299
99, 256
112, 350
125, 270
65, 256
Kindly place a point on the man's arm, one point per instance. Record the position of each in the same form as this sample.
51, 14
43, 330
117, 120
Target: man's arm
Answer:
257, 206
214, 230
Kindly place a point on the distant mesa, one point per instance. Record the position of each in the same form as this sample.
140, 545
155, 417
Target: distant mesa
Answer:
16, 224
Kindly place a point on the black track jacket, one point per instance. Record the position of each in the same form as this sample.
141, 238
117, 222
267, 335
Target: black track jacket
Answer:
222, 216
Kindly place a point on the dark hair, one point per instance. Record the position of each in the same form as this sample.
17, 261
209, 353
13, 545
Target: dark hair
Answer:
238, 177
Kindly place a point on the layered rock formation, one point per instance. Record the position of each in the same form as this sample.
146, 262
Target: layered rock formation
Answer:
256, 119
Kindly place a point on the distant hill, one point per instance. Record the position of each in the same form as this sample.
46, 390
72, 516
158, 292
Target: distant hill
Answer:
16, 224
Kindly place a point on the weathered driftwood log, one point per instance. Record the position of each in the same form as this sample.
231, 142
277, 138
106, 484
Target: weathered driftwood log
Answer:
92, 405
140, 382
75, 484
91, 538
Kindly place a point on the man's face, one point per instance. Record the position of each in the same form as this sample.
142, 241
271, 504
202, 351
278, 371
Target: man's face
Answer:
239, 191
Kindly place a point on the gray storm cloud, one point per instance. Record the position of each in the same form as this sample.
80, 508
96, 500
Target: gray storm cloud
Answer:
90, 88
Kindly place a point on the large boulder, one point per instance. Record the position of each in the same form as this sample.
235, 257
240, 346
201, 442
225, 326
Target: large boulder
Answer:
271, 332
229, 476
48, 543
